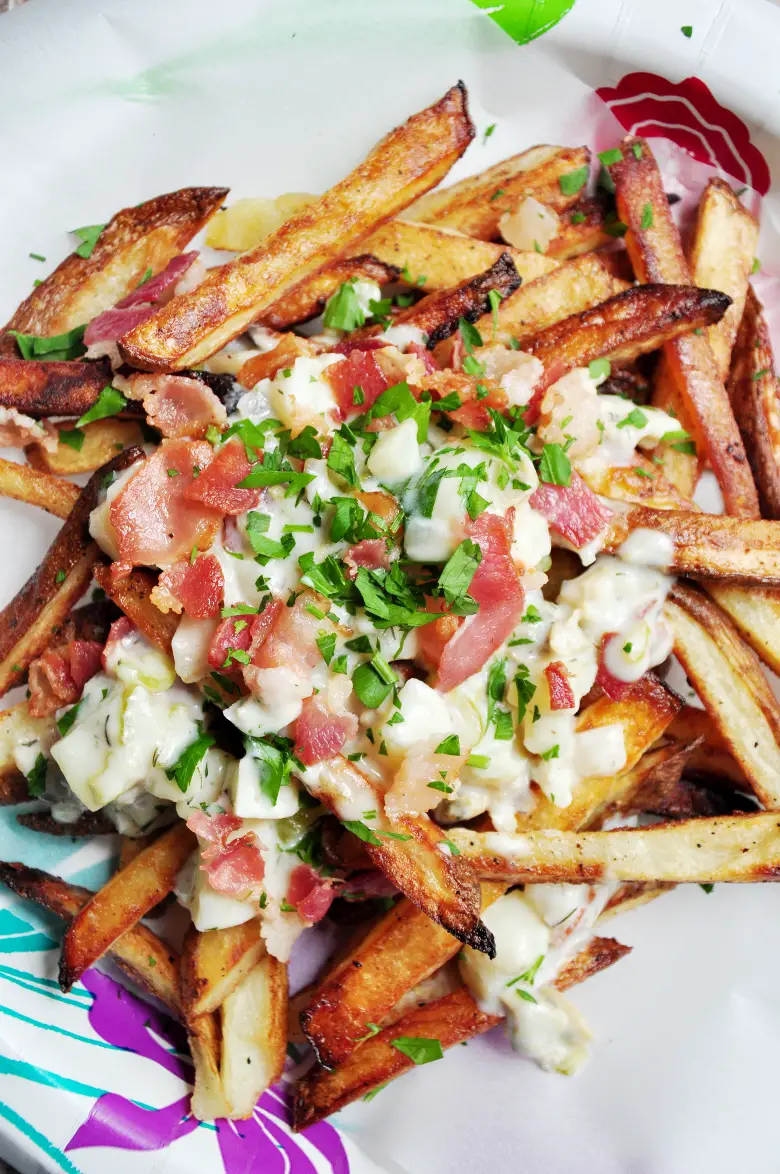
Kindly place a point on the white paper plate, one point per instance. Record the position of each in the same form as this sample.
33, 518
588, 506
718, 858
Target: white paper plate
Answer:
107, 103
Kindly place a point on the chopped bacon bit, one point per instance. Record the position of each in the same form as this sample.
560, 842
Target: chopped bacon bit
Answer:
359, 369
573, 510
216, 486
433, 638
138, 305
320, 734
614, 688
153, 290
424, 355
292, 639
177, 405
371, 553
348, 345
261, 625
384, 505
474, 411
410, 793
284, 354
17, 430
309, 893
233, 865
497, 589
561, 693
232, 633
116, 633
198, 585
154, 522
58, 677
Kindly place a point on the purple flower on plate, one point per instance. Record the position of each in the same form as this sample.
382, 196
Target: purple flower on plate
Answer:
263, 1142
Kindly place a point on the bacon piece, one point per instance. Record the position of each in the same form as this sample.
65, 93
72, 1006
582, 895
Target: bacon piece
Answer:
309, 893
154, 522
497, 589
233, 864
425, 356
58, 677
561, 693
573, 511
178, 406
411, 793
348, 345
234, 632
292, 640
261, 626
199, 586
359, 369
320, 734
433, 638
371, 553
137, 306
289, 348
474, 410
216, 486
116, 633
614, 688
17, 430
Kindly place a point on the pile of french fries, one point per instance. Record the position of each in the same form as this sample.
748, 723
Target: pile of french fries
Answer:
711, 774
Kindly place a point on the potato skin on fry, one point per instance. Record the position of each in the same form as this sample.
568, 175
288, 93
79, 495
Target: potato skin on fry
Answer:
214, 962
753, 391
26, 484
307, 300
37, 388
91, 823
133, 595
102, 440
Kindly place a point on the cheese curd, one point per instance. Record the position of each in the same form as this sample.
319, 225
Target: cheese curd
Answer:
531, 226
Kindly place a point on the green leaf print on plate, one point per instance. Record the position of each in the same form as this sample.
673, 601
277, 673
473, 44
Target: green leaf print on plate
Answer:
525, 20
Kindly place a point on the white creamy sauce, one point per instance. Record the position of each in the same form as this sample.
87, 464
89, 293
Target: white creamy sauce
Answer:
649, 548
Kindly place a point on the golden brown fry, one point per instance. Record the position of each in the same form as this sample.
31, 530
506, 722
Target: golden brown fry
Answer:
135, 240
707, 546
406, 163
633, 896
131, 847
582, 230
433, 257
753, 391
215, 962
254, 1035
307, 300
450, 1020
661, 790
51, 389
629, 324
722, 251
13, 787
596, 956
342, 849
657, 256
475, 205
414, 856
734, 848
639, 484
103, 439
756, 613
208, 1096
711, 757
123, 901
571, 288
133, 595
91, 823
25, 484
17, 727
139, 952
31, 619
728, 678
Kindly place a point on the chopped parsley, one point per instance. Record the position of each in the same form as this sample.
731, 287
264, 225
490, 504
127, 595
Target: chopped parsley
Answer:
186, 764
687, 30
455, 578
647, 217
555, 466
109, 403
343, 311
418, 1049
449, 745
36, 779
635, 419
55, 347
573, 181
88, 235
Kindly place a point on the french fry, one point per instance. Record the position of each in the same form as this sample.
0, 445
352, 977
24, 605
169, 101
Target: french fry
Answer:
31, 619
37, 388
254, 1035
307, 300
728, 678
475, 205
13, 787
412, 853
433, 257
627, 325
25, 484
17, 728
599, 954
572, 287
208, 1096
132, 846
133, 595
135, 240
707, 546
140, 953
753, 391
101, 441
732, 848
639, 484
656, 254
711, 756
123, 901
215, 962
756, 613
406, 163
722, 251
582, 230
661, 790
633, 896
91, 823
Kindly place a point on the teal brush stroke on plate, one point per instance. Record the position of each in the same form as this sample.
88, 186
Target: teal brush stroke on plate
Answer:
525, 20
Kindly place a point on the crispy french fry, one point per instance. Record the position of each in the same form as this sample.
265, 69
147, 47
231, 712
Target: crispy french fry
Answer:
133, 595
571, 288
475, 205
406, 163
582, 230
629, 324
639, 484
734, 848
18, 727
254, 1035
722, 251
707, 546
25, 484
711, 756
661, 790
51, 389
728, 677
101, 441
656, 254
633, 896
208, 1096
140, 953
135, 240
756, 613
215, 962
596, 956
123, 901
91, 823
131, 847
433, 257
13, 787
753, 391
29, 621
308, 299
